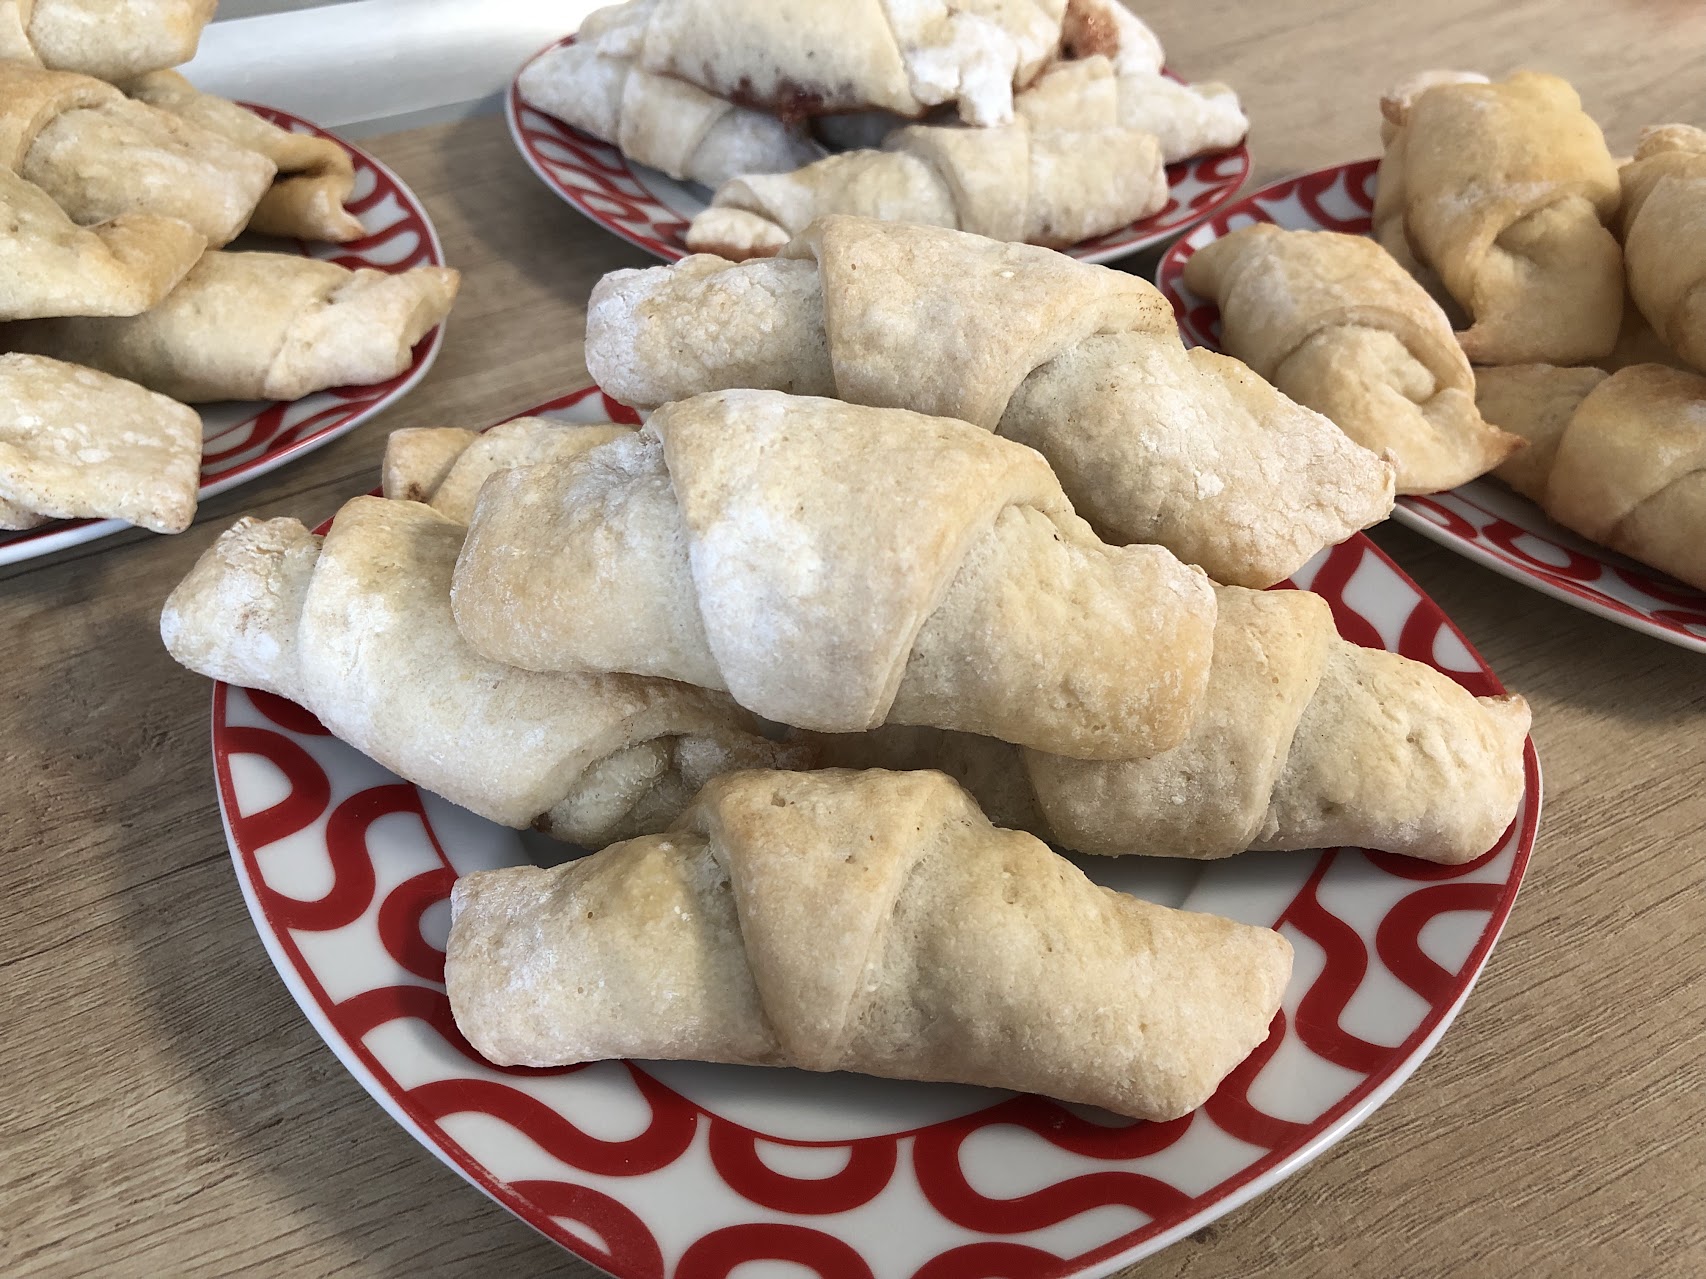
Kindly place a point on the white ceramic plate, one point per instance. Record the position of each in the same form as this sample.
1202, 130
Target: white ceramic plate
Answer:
651, 210
647, 1169
1482, 520
243, 441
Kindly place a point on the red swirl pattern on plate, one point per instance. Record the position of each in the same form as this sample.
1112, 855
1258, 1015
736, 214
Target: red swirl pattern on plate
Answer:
1482, 519
647, 209
534, 1141
245, 441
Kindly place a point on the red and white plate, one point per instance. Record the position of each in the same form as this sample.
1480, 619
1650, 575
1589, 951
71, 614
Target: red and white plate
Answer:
650, 1169
245, 440
649, 209
1482, 519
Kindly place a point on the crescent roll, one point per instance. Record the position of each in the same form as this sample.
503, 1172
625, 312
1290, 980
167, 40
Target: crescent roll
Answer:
259, 326
1187, 119
109, 39
834, 566
356, 628
1620, 458
1664, 236
1503, 190
1303, 740
873, 922
1335, 323
1152, 443
100, 155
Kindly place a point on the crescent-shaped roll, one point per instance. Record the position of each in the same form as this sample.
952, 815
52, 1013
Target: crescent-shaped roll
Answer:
659, 120
1304, 740
872, 922
833, 567
101, 155
1335, 323
1152, 443
1187, 119
356, 628
1108, 29
1620, 458
315, 175
1008, 183
444, 466
259, 326
1504, 191
109, 39
1664, 236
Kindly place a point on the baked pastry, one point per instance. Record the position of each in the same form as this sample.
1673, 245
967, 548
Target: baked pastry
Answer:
873, 922
444, 466
1187, 119
1619, 458
1504, 190
1151, 443
51, 266
356, 628
111, 39
259, 326
1008, 183
1303, 740
100, 155
76, 443
1335, 323
315, 175
1664, 236
1108, 29
833, 567
662, 121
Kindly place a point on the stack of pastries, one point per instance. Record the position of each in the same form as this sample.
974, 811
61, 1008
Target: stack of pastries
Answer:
896, 587
1526, 307
1044, 121
121, 185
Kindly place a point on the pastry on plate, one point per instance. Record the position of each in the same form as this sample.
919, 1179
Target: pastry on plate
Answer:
1620, 458
1664, 236
835, 567
259, 326
872, 922
111, 39
101, 155
75, 443
1187, 119
1304, 740
1152, 443
356, 628
1504, 192
1334, 322
1008, 183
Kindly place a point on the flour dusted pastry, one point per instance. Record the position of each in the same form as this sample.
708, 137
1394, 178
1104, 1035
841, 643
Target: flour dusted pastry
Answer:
873, 922
659, 120
1304, 740
1334, 322
1619, 458
1009, 183
444, 466
259, 326
1504, 190
1151, 443
1187, 119
1106, 28
356, 628
51, 266
110, 39
1664, 236
76, 443
315, 175
100, 155
833, 567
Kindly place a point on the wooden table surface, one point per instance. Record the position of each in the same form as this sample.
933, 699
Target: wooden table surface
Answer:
165, 1109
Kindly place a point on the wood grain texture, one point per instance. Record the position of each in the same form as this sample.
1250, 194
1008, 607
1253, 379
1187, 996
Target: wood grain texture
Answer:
167, 1110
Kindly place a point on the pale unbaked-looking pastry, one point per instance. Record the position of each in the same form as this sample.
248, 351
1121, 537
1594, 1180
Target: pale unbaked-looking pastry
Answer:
1187, 119
75, 443
1190, 450
835, 567
1619, 458
101, 155
1664, 236
1334, 322
1504, 191
1303, 740
111, 39
259, 326
873, 922
356, 628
